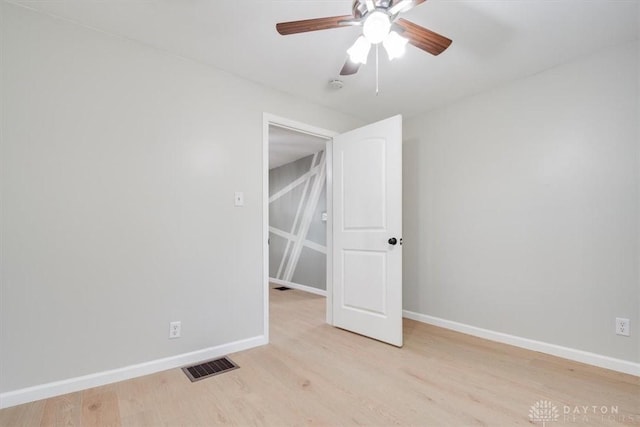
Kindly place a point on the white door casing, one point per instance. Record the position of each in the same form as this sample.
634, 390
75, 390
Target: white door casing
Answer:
268, 120
367, 213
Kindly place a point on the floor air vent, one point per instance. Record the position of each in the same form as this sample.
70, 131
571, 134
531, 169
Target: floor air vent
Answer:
209, 369
282, 288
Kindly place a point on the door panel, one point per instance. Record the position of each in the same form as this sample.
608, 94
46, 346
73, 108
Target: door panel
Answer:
367, 212
363, 166
364, 274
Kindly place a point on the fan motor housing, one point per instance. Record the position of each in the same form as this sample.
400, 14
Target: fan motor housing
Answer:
360, 6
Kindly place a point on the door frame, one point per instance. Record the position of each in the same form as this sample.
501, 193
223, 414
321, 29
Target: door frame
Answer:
268, 120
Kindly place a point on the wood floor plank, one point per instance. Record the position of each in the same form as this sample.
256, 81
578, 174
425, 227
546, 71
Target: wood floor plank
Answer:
100, 409
65, 410
29, 414
314, 374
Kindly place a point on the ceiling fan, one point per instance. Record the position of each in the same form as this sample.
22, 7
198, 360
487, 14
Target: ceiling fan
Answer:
380, 24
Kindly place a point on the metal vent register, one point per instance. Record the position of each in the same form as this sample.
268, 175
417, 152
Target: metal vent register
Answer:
209, 369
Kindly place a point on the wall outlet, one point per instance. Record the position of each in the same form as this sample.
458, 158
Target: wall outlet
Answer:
622, 326
175, 328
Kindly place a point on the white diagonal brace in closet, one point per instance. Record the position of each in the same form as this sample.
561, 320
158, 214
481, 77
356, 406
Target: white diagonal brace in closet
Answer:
306, 218
281, 233
293, 185
315, 246
307, 243
303, 197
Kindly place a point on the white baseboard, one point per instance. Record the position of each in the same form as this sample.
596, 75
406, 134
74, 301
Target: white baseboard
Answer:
44, 391
298, 287
594, 359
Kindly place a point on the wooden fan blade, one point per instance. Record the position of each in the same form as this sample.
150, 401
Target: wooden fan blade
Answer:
349, 68
405, 5
422, 38
316, 24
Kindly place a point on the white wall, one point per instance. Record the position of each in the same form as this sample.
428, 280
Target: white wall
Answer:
118, 168
521, 207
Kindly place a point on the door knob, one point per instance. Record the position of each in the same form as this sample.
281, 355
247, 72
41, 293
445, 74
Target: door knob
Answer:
393, 241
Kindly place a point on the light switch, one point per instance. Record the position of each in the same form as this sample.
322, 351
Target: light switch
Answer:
239, 198
324, 216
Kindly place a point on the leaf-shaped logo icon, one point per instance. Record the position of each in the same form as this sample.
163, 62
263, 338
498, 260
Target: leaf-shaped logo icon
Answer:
543, 411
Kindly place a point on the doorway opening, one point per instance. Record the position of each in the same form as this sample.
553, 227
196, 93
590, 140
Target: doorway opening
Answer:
297, 210
296, 202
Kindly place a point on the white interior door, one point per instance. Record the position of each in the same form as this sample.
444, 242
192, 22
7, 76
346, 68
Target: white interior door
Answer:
367, 217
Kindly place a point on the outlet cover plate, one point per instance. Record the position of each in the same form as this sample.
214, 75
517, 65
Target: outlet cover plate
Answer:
175, 330
622, 326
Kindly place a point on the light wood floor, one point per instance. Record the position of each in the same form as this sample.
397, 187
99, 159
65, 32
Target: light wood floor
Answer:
315, 374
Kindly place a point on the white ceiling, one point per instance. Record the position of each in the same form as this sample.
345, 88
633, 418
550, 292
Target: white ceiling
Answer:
494, 41
287, 145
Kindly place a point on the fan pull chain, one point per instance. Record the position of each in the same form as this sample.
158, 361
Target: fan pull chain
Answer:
377, 71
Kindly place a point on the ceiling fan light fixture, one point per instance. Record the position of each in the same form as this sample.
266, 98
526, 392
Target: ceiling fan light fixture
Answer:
359, 52
378, 18
395, 45
376, 26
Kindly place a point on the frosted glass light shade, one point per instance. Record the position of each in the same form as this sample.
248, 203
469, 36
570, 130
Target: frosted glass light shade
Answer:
359, 52
376, 27
395, 45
